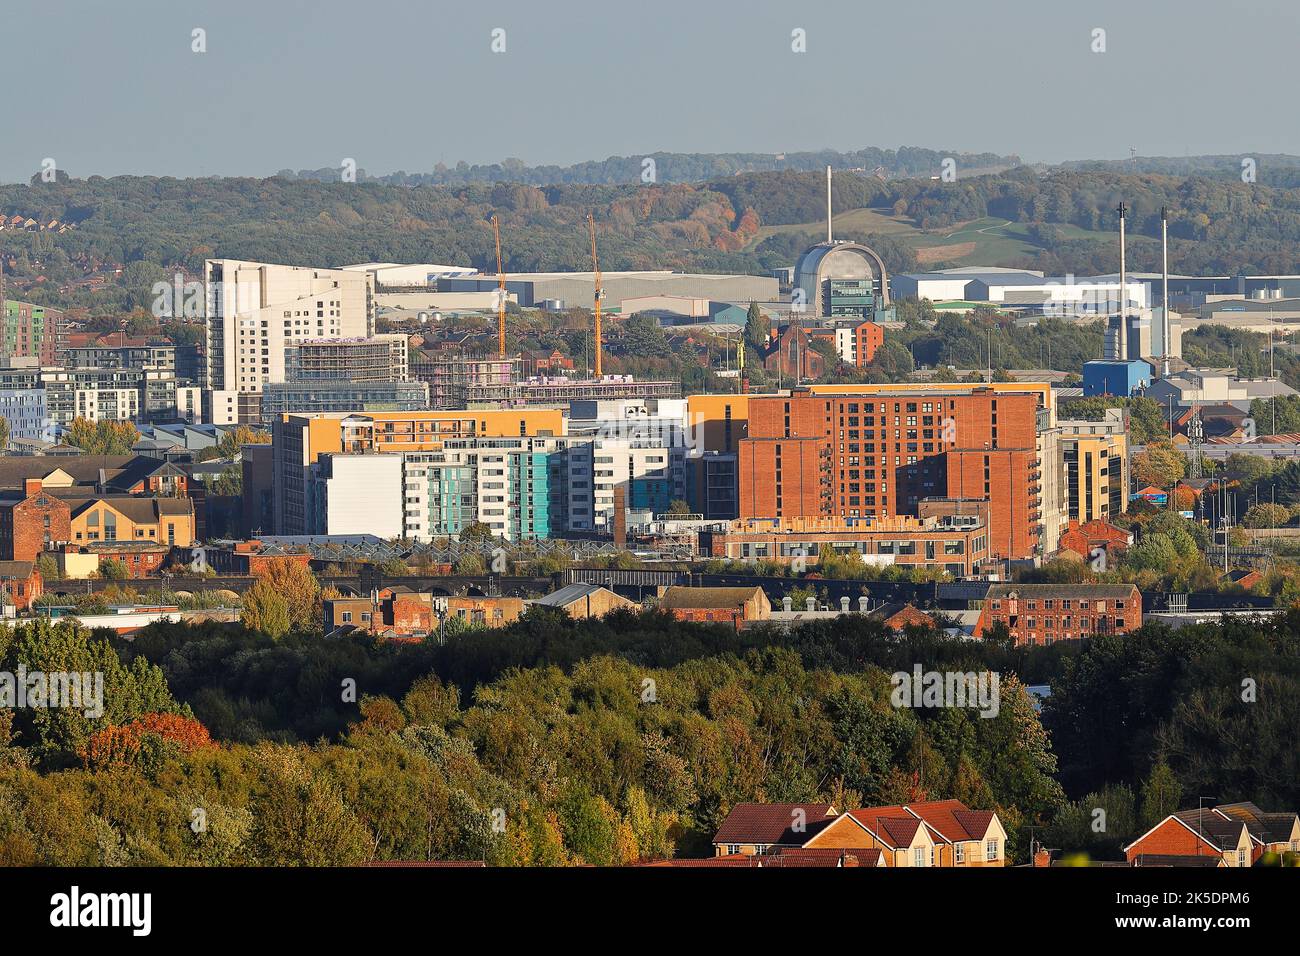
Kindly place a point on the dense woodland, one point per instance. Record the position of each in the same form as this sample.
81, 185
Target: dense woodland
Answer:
153, 226
553, 741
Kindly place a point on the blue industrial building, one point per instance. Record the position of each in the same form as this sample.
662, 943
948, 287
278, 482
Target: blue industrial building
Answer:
1116, 378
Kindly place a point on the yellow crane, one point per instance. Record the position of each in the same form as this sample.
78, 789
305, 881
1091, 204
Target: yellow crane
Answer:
501, 294
600, 294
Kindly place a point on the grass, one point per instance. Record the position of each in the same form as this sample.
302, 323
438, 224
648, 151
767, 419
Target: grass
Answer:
986, 242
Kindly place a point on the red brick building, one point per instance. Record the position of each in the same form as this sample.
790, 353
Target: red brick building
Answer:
22, 581
882, 452
735, 606
31, 521
867, 337
1192, 836
1084, 539
252, 557
790, 354
1046, 613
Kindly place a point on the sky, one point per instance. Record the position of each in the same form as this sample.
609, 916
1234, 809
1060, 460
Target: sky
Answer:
110, 87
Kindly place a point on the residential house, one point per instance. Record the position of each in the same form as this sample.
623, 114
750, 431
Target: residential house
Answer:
758, 828
1183, 838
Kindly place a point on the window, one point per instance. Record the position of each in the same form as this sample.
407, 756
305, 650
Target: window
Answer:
991, 850
918, 856
959, 852
1241, 857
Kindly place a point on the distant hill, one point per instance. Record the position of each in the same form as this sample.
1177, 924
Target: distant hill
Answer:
1057, 219
903, 163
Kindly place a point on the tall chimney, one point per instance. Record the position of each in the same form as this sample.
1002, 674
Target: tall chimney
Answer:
829, 233
1121, 342
1164, 291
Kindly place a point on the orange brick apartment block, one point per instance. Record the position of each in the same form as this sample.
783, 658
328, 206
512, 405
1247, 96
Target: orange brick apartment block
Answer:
882, 452
1046, 613
868, 337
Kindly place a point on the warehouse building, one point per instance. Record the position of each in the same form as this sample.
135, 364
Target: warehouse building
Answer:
572, 289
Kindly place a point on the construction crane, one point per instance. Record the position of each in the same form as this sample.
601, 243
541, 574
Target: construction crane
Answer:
501, 294
600, 293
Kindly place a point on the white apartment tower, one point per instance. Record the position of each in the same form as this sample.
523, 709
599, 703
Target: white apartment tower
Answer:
256, 310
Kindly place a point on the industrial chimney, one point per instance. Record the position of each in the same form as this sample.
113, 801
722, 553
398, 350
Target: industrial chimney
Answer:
1121, 341
829, 233
1164, 291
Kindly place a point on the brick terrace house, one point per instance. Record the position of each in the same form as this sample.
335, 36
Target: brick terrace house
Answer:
735, 606
1045, 613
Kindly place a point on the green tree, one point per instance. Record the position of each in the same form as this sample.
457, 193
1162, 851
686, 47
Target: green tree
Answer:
265, 610
758, 327
1161, 795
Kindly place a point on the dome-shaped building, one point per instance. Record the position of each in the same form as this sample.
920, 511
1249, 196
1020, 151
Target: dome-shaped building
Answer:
841, 279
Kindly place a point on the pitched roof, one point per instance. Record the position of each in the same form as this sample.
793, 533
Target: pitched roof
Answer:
82, 469
570, 593
685, 597
893, 826
1174, 859
1264, 827
18, 570
139, 510
952, 819
771, 823
1215, 829
829, 857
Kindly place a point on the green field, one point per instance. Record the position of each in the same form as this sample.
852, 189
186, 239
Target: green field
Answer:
987, 242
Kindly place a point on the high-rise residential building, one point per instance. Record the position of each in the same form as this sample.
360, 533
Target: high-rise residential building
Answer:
257, 311
299, 441
31, 331
864, 450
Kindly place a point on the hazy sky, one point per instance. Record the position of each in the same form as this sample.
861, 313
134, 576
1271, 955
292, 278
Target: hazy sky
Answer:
112, 87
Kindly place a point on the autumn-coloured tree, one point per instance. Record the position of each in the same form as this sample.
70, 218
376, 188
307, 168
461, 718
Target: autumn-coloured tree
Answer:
120, 745
285, 597
1159, 464
102, 438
